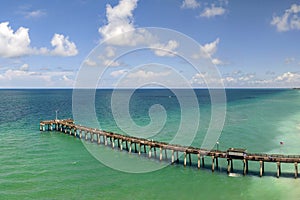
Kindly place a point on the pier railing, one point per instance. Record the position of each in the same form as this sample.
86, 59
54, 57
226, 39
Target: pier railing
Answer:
141, 145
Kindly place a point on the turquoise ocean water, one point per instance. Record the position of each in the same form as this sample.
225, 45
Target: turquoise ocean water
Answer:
52, 165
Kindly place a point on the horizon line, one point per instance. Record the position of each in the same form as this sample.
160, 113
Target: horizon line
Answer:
123, 88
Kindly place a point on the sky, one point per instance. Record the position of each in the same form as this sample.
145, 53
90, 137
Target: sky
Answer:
48, 44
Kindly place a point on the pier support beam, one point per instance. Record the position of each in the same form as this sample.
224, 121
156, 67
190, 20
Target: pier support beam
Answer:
140, 148
261, 163
229, 163
217, 162
118, 142
129, 147
213, 163
245, 167
203, 161
98, 138
190, 159
92, 137
177, 157
184, 160
112, 142
278, 169
198, 161
121, 145
126, 145
166, 155
296, 169
150, 151
160, 153
105, 140
172, 161
86, 135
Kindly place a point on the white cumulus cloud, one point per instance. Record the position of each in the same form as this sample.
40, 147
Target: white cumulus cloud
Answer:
14, 44
62, 46
23, 78
143, 74
34, 14
190, 4
107, 58
111, 63
288, 77
24, 67
165, 49
120, 21
290, 20
217, 61
90, 63
213, 11
120, 29
110, 52
67, 81
208, 50
118, 73
17, 44
211, 48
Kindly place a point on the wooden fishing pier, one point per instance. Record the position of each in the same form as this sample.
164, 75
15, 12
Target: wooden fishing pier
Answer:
140, 145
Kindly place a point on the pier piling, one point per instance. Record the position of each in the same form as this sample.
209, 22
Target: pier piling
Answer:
261, 168
139, 148
296, 169
245, 167
198, 161
278, 169
121, 145
150, 151
172, 157
130, 147
213, 163
229, 165
112, 139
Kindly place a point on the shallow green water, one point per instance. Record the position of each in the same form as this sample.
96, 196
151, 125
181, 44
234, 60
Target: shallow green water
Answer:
52, 165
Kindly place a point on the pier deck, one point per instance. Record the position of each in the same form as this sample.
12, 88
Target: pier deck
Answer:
68, 126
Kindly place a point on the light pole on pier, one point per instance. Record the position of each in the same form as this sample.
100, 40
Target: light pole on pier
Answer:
56, 114
281, 144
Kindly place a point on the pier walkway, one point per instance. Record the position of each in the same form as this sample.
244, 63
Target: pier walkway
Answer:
140, 145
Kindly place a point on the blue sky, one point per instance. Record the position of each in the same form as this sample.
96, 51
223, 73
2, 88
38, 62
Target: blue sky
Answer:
251, 43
